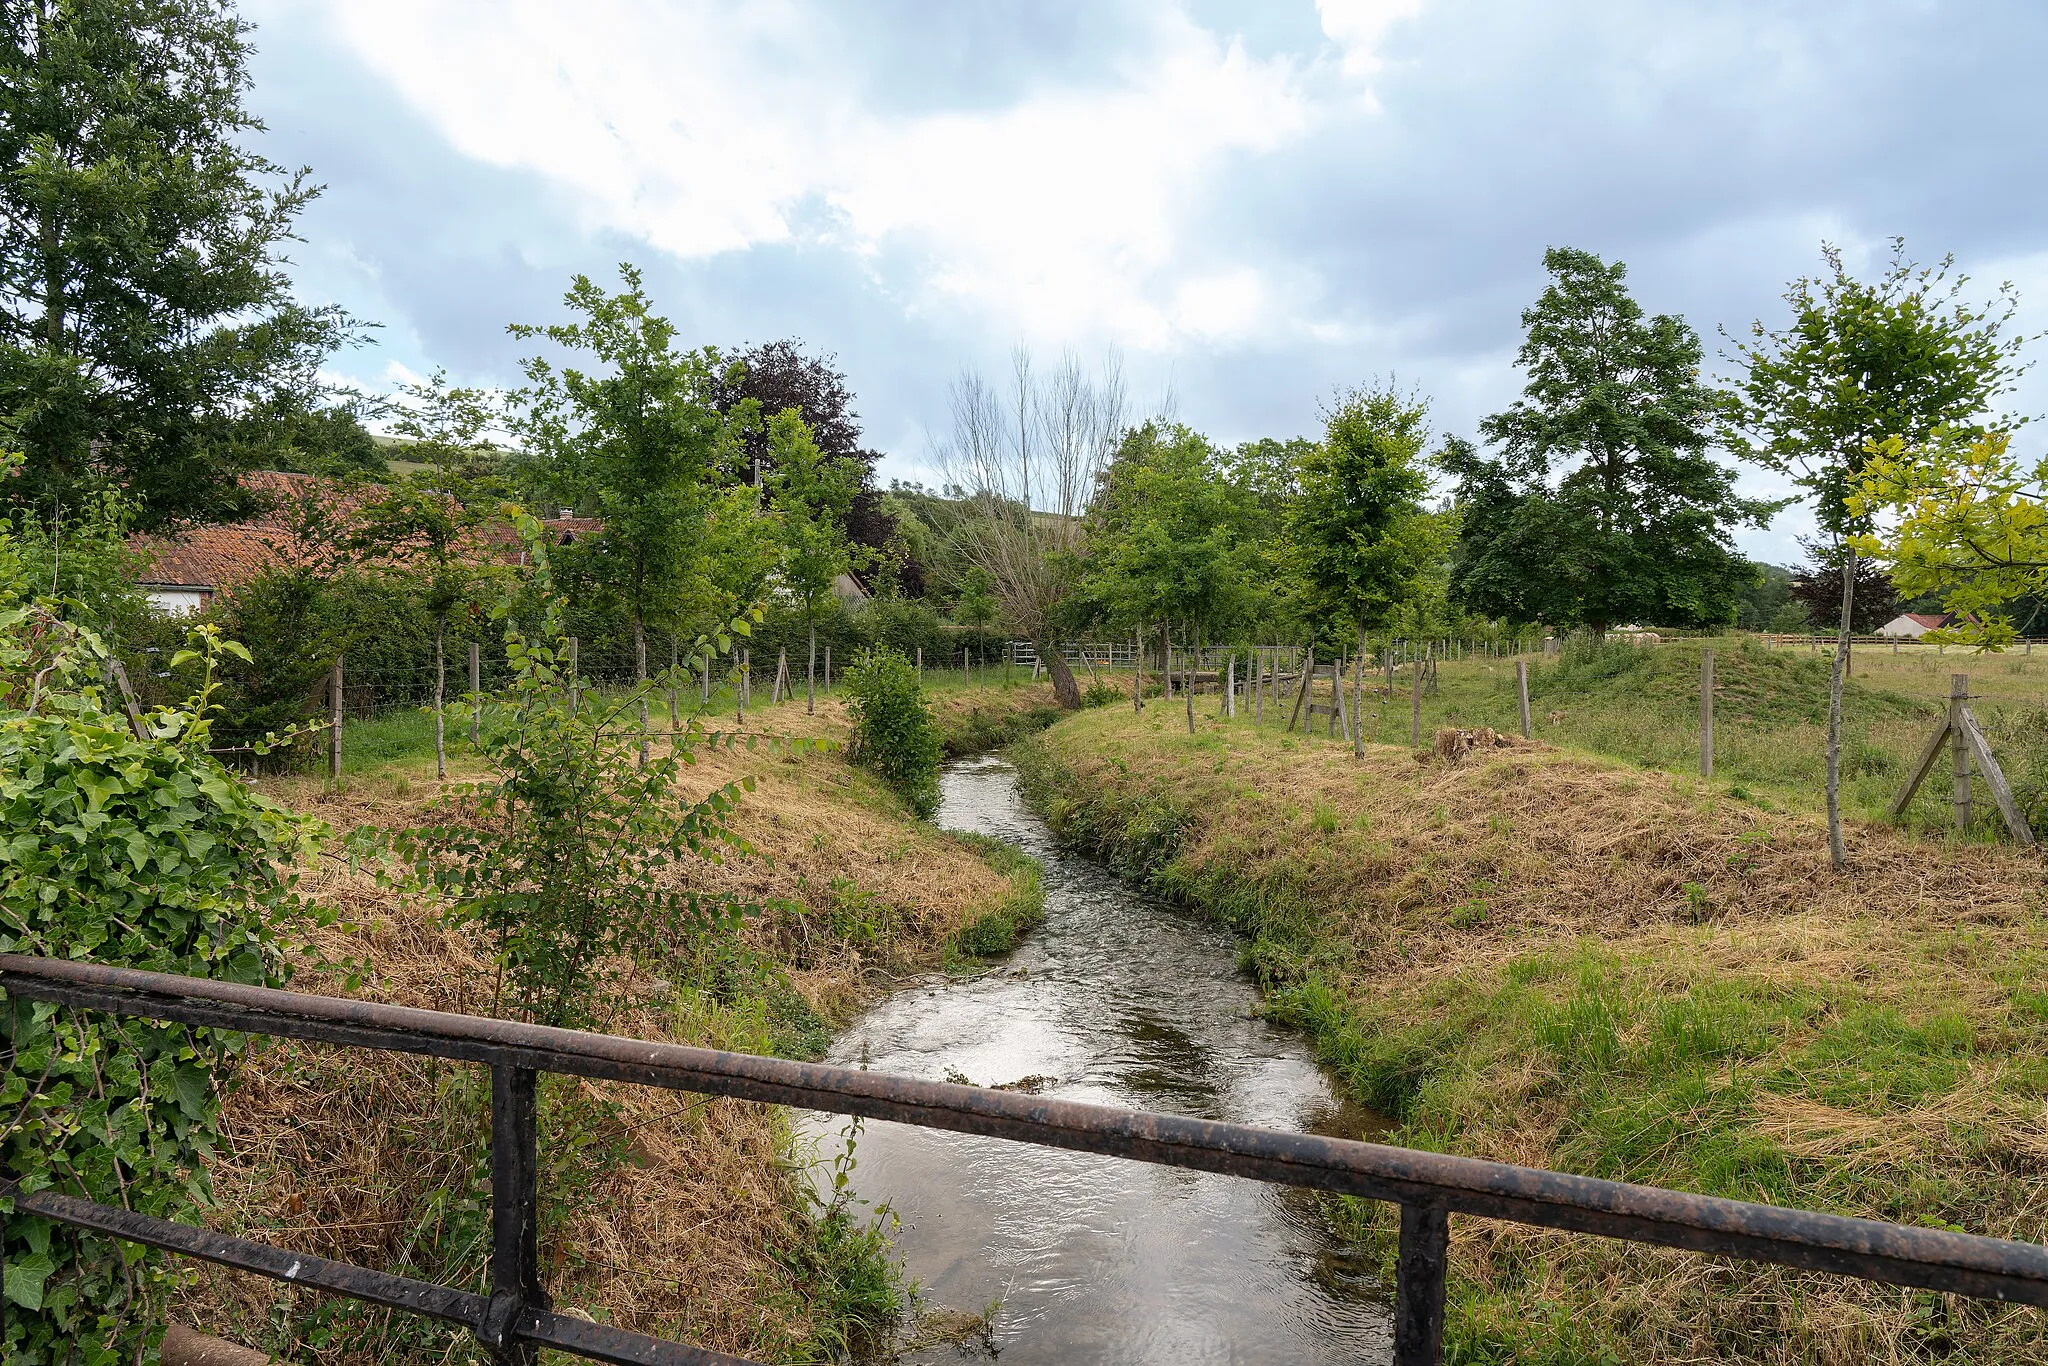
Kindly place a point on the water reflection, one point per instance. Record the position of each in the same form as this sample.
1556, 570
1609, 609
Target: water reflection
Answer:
1122, 1000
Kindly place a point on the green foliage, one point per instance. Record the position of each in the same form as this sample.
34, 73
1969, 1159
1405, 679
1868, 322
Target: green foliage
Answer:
1360, 534
139, 852
81, 566
1905, 358
1604, 505
894, 731
1165, 543
564, 852
812, 493
151, 340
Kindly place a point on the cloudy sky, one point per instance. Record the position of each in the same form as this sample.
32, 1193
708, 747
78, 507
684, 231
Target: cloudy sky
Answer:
1254, 203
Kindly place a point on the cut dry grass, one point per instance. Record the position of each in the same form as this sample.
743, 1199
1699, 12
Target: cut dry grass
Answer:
1550, 959
688, 1217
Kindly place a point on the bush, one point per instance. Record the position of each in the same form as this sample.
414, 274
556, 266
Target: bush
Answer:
143, 853
894, 731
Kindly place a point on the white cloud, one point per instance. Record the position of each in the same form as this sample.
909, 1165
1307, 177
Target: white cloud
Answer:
1357, 26
1064, 215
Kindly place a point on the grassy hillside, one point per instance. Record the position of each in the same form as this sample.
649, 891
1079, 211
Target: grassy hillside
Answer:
698, 1225
1544, 957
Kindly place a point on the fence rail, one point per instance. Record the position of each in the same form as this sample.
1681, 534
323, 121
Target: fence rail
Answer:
515, 1319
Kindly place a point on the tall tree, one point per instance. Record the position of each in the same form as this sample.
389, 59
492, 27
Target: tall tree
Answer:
147, 335
1028, 462
1903, 359
1359, 529
634, 442
811, 492
1603, 505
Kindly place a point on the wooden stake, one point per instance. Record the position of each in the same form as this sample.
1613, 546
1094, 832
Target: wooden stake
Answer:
574, 690
1959, 748
476, 691
1707, 712
116, 675
1522, 693
1308, 670
1415, 706
1230, 689
334, 722
1994, 778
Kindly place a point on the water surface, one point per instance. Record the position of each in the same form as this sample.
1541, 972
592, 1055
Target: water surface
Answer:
1119, 999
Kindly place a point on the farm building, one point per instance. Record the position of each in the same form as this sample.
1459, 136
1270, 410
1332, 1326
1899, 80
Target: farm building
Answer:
1912, 625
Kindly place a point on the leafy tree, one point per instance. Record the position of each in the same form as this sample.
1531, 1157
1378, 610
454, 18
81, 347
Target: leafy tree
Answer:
148, 339
811, 491
329, 440
636, 443
1361, 535
565, 853
1903, 359
1603, 506
82, 568
1758, 607
1817, 588
1164, 542
139, 851
894, 731
430, 518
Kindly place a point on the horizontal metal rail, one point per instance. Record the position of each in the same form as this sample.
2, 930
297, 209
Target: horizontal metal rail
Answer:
1428, 1186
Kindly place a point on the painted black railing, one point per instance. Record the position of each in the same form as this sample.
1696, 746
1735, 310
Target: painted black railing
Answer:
515, 1319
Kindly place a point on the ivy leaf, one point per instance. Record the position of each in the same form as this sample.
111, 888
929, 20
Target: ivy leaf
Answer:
25, 1279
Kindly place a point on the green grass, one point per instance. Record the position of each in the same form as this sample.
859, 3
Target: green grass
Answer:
995, 932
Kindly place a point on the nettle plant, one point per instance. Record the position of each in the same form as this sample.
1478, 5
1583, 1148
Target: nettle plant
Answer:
571, 852
140, 850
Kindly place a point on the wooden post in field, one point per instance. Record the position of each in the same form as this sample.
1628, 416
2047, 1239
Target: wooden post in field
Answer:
1959, 747
574, 691
1308, 669
334, 722
1415, 706
1895, 644
828, 668
1522, 692
1230, 688
1707, 712
920, 664
675, 714
476, 690
747, 677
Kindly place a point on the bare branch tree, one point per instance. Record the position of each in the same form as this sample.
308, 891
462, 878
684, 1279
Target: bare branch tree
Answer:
1030, 465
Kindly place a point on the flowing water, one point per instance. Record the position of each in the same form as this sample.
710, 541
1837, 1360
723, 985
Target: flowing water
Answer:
1123, 1000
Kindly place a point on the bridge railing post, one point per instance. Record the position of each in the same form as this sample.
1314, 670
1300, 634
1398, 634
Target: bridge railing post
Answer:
1419, 1288
515, 1219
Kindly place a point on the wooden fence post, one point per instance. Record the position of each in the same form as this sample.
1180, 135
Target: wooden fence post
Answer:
334, 722
920, 664
574, 691
675, 714
1230, 689
476, 692
1707, 712
828, 668
1415, 706
1959, 747
1522, 692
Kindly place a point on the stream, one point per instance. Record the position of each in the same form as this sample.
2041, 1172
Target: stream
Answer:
1121, 999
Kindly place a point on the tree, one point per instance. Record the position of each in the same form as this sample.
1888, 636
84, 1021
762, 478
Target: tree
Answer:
1029, 464
1817, 587
430, 517
1164, 541
148, 339
1904, 359
1360, 533
811, 492
635, 443
1603, 506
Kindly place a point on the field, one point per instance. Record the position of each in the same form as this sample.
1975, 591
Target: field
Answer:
1542, 955
674, 1215
1642, 705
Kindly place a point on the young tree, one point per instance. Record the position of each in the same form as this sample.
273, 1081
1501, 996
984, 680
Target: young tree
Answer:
1360, 533
1164, 542
1905, 358
1603, 506
635, 443
811, 492
430, 517
147, 331
1029, 465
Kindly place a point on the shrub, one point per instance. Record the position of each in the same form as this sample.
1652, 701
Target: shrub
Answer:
894, 731
563, 853
141, 852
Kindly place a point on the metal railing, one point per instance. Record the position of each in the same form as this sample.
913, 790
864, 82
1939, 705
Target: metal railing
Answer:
515, 1319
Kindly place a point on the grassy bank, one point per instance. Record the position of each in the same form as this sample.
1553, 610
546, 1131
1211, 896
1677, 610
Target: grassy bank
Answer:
1548, 958
682, 1216
1642, 705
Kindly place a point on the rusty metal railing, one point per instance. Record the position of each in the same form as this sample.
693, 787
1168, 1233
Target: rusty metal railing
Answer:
515, 1319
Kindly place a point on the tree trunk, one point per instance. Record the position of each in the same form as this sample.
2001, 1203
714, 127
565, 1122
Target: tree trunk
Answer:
640, 679
1063, 686
811, 673
1188, 676
440, 696
1838, 853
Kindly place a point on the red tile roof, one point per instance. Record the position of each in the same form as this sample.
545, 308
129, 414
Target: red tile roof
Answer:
1931, 620
216, 557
